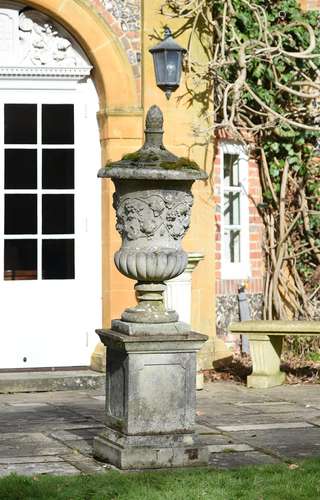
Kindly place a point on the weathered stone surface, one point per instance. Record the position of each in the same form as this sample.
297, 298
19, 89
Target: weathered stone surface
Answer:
30, 469
29, 444
127, 328
258, 427
277, 327
220, 404
30, 460
138, 365
286, 441
142, 400
50, 381
230, 460
265, 339
76, 434
86, 465
151, 456
228, 448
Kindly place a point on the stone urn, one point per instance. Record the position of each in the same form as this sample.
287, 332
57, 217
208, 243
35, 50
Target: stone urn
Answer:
151, 364
153, 202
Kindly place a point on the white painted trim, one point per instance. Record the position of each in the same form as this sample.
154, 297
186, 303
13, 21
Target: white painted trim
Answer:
44, 73
241, 270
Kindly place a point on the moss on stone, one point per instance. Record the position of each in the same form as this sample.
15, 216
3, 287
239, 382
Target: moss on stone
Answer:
145, 156
180, 164
132, 156
141, 156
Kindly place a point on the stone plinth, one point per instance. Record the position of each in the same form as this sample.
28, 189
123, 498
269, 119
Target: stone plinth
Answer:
150, 401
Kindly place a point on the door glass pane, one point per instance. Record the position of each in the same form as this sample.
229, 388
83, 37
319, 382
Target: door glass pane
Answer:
20, 123
230, 170
20, 260
57, 124
231, 209
20, 214
57, 259
58, 214
20, 169
58, 169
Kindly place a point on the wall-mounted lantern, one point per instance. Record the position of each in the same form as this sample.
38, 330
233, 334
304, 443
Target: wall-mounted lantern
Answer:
167, 60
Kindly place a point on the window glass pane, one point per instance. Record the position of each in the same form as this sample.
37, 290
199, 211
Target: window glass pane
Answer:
20, 169
58, 169
57, 259
57, 124
232, 246
231, 208
20, 260
230, 170
20, 214
58, 214
20, 123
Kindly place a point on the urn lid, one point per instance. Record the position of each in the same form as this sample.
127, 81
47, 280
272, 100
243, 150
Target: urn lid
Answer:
153, 161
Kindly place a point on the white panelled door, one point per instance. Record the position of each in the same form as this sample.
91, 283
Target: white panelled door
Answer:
50, 213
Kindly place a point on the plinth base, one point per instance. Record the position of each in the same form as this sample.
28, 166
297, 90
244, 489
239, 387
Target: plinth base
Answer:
150, 452
150, 401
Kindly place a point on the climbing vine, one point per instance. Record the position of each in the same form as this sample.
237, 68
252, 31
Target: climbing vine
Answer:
262, 88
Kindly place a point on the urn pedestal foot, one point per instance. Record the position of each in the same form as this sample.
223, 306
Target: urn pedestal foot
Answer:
150, 401
151, 307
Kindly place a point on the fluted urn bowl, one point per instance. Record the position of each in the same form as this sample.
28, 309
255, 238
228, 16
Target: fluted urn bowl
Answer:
151, 266
153, 203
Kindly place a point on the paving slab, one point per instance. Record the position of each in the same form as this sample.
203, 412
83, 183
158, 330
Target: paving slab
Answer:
29, 444
287, 443
30, 469
262, 427
86, 465
55, 380
231, 460
52, 432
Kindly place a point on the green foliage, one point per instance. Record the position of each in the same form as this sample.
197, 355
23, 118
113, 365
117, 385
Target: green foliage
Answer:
265, 72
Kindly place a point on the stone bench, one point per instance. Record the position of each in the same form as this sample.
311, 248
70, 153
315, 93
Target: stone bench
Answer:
265, 339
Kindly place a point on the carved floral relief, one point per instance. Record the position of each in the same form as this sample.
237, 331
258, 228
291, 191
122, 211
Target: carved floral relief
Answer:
154, 214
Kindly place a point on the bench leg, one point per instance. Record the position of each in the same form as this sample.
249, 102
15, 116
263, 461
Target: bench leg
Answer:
265, 353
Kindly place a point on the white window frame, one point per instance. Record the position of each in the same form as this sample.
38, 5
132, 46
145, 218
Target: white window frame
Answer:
241, 269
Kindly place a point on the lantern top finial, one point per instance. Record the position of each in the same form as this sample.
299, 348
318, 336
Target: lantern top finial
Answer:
167, 32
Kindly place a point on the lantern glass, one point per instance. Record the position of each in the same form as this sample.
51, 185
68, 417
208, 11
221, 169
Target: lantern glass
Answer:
159, 61
173, 67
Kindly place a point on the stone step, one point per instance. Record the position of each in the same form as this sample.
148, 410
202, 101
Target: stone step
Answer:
53, 380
